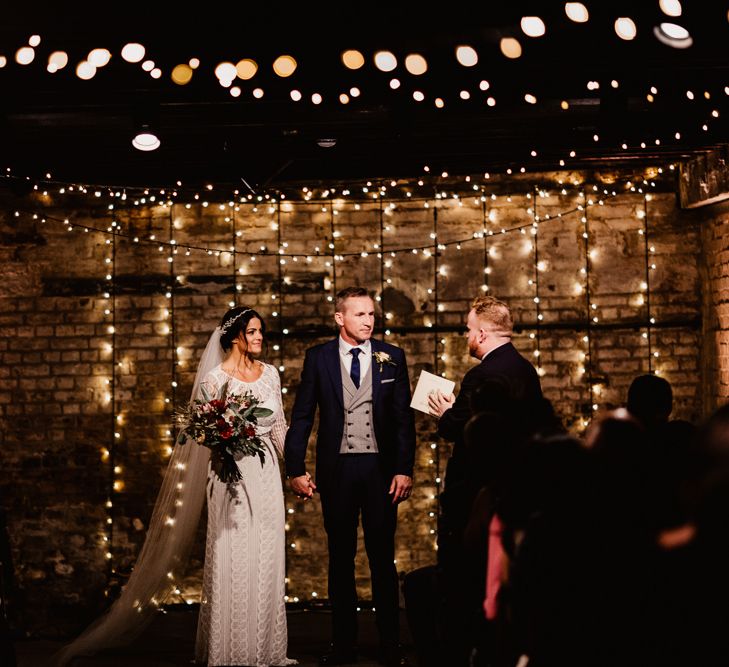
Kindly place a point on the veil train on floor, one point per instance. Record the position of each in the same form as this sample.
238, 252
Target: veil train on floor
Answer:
170, 536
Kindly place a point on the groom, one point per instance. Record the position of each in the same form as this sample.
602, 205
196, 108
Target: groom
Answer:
365, 450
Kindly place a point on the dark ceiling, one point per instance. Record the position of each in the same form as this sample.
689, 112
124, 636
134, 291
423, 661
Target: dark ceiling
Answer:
81, 130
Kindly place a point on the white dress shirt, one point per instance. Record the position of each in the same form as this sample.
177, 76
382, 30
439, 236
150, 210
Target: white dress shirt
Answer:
365, 358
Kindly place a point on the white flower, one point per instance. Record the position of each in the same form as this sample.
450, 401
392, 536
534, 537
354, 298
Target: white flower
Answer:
383, 358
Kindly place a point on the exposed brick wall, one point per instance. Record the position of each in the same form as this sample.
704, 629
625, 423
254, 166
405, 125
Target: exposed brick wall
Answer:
54, 356
715, 236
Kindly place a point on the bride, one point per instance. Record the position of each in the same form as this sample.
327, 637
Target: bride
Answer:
242, 611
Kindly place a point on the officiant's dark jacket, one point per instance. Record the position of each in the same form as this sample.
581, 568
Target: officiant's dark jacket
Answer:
504, 361
321, 386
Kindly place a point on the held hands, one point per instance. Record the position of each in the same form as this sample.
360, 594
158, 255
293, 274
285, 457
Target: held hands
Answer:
438, 403
303, 486
400, 488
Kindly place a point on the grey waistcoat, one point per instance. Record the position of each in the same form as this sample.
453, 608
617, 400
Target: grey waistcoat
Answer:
359, 431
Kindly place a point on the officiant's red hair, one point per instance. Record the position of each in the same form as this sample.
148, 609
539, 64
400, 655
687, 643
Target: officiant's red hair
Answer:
494, 312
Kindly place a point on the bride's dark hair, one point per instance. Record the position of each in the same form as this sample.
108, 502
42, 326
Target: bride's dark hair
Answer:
235, 321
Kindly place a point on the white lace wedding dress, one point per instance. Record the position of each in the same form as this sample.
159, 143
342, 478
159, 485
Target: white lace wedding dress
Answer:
242, 610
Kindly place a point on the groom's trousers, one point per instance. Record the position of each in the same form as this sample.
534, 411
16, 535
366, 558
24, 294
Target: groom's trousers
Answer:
360, 485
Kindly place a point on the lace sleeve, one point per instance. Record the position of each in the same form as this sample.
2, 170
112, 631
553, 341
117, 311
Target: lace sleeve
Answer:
278, 431
211, 385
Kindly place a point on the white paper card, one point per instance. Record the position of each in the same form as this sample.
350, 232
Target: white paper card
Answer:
427, 384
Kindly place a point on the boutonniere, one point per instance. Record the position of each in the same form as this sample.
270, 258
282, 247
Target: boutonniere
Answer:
383, 358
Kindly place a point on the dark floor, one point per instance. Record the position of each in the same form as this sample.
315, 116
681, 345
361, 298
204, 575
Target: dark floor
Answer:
170, 640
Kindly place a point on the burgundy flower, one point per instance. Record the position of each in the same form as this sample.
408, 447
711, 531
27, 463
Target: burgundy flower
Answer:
219, 425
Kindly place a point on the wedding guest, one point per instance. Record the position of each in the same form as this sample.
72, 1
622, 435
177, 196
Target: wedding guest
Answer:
650, 400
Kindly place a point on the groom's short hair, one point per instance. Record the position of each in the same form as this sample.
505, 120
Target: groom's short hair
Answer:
347, 293
495, 313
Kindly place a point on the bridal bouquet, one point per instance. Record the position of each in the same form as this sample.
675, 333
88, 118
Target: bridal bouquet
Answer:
227, 426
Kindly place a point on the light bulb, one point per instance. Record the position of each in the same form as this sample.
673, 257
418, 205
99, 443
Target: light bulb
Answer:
85, 71
670, 7
385, 61
416, 64
58, 59
246, 69
25, 55
182, 74
133, 53
510, 47
466, 56
99, 57
225, 71
284, 66
576, 12
625, 28
352, 59
533, 26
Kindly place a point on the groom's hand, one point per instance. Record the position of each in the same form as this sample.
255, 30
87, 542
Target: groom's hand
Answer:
400, 488
303, 486
439, 403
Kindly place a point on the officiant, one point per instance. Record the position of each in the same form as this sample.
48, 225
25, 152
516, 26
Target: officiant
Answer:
506, 386
489, 330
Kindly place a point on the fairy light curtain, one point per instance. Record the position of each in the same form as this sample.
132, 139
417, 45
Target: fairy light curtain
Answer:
438, 250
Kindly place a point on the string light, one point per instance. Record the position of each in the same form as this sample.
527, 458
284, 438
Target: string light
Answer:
385, 60
383, 264
649, 266
537, 300
438, 272
169, 329
279, 346
438, 350
485, 216
587, 338
109, 454
237, 269
280, 294
333, 255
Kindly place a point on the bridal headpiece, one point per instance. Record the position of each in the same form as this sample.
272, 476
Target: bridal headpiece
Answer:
229, 323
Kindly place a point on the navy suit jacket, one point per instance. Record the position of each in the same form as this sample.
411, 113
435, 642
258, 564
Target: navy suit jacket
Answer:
321, 386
